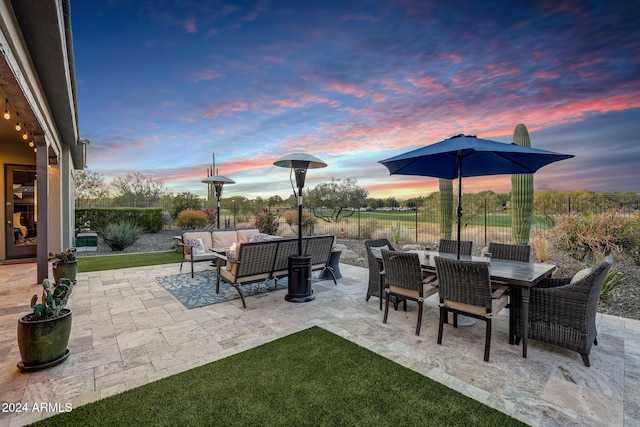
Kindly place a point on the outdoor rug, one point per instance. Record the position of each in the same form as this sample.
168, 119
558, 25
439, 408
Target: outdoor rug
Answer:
201, 289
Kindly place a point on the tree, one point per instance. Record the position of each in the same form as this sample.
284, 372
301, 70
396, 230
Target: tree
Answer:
137, 190
185, 200
329, 200
89, 186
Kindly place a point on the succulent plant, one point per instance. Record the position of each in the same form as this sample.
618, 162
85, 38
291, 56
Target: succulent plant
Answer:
52, 302
67, 256
521, 194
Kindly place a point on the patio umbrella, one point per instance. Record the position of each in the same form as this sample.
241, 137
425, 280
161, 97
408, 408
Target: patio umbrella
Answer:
466, 156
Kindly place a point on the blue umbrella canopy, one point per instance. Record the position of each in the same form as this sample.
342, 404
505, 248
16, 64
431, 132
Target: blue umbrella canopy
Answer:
466, 156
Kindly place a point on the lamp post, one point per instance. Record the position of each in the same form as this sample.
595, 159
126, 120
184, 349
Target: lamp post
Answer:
218, 181
299, 285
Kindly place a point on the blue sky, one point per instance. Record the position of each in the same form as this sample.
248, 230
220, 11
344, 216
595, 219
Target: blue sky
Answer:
162, 85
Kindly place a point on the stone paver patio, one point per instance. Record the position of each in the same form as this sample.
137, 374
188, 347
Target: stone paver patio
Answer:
129, 331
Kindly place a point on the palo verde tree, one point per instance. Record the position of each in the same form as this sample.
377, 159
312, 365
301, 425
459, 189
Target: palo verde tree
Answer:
329, 201
89, 186
137, 190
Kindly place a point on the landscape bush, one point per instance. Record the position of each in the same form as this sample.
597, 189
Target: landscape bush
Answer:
121, 235
591, 237
192, 219
267, 222
308, 221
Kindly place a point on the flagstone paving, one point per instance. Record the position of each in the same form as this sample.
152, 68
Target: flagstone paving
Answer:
129, 331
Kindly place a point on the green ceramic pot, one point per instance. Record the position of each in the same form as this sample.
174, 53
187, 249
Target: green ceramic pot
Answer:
68, 270
43, 343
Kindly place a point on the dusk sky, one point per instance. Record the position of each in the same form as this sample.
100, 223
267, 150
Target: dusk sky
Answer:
162, 85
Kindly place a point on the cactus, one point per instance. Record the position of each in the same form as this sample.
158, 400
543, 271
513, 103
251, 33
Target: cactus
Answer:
52, 302
521, 194
446, 207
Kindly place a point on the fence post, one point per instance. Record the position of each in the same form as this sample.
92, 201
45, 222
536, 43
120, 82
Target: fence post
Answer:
358, 222
569, 205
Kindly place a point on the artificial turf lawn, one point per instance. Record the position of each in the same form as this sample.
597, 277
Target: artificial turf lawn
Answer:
311, 378
113, 262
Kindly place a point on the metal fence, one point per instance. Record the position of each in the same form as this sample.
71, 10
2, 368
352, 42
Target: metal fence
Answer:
484, 219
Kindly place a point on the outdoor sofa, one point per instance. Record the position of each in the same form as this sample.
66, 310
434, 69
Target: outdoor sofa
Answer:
196, 245
268, 259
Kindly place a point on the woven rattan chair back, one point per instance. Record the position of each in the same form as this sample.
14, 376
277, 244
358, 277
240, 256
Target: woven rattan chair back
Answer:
375, 266
510, 252
451, 246
466, 282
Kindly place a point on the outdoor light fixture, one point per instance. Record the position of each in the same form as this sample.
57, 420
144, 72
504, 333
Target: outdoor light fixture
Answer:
25, 135
299, 265
7, 115
218, 181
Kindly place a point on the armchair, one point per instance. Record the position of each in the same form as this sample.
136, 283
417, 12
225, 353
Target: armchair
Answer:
375, 266
564, 313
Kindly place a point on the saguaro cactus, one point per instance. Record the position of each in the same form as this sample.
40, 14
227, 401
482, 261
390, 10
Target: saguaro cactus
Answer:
521, 194
446, 207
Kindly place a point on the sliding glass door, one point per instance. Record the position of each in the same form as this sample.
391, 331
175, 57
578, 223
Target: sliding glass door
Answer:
20, 211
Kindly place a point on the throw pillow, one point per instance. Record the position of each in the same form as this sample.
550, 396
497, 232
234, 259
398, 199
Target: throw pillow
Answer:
581, 275
197, 248
376, 251
258, 238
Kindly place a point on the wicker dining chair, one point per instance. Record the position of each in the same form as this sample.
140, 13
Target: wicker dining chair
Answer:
564, 313
451, 246
403, 279
465, 288
509, 252
373, 247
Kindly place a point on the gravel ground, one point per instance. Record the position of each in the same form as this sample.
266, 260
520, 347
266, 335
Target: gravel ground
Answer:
623, 301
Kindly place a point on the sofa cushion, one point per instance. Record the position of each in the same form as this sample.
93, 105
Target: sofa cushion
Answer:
223, 239
245, 235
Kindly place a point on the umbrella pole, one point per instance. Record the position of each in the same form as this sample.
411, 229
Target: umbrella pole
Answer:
459, 198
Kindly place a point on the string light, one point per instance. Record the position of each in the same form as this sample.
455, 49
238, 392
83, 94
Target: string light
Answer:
7, 115
31, 144
18, 127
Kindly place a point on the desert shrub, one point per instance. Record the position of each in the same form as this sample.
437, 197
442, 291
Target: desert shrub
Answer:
368, 228
308, 221
590, 237
121, 235
540, 244
267, 222
191, 219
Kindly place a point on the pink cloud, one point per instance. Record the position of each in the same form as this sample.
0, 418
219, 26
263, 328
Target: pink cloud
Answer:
225, 108
206, 75
190, 25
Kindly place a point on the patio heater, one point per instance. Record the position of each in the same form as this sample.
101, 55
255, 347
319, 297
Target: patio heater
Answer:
299, 273
218, 181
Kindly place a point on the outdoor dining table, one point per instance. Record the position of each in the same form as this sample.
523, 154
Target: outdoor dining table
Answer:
519, 276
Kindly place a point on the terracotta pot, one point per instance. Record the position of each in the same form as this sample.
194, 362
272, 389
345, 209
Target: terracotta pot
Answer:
43, 343
68, 270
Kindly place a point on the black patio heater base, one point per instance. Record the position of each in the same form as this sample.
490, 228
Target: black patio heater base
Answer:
300, 279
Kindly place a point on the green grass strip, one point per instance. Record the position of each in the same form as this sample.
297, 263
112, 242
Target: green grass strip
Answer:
112, 262
311, 378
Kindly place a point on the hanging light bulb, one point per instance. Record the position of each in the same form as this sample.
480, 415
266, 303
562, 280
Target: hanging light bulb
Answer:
25, 135
31, 144
7, 115
35, 150
18, 127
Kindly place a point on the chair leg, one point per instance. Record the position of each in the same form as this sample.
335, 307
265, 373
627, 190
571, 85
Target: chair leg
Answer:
595, 341
386, 308
585, 360
455, 319
237, 286
443, 313
419, 317
487, 342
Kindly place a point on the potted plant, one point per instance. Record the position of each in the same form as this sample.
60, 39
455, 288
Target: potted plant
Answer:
43, 335
65, 264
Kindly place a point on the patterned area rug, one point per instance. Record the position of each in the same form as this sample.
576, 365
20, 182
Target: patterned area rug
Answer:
201, 289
